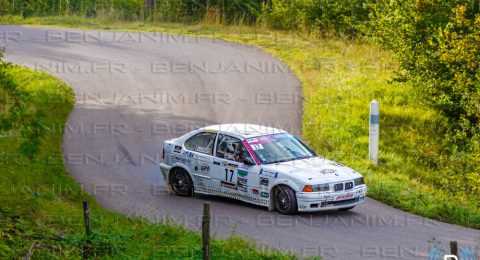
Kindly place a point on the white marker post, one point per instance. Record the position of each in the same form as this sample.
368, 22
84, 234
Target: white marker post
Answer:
374, 131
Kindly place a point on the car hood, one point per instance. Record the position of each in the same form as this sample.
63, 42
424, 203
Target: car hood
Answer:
315, 170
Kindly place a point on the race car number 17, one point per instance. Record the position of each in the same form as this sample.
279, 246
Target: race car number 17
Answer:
227, 173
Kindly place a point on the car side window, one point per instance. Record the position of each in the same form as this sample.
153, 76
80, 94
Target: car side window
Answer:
202, 143
231, 148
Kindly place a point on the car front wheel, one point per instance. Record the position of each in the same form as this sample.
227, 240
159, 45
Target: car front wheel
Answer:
285, 200
181, 183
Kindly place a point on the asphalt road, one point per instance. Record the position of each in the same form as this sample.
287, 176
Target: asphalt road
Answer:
135, 90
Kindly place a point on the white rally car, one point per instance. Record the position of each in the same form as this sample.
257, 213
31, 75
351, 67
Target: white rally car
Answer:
260, 165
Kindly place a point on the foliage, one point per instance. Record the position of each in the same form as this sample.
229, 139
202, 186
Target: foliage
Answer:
121, 9
211, 11
17, 113
317, 16
224, 11
438, 46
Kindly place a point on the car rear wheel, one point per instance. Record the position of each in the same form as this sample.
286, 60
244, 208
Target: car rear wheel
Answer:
285, 200
347, 209
181, 183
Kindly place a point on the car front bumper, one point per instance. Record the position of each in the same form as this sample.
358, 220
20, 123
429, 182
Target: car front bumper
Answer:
317, 201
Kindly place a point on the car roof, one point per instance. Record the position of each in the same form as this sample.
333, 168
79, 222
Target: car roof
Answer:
244, 130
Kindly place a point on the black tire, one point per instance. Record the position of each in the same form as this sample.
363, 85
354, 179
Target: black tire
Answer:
347, 209
181, 182
285, 200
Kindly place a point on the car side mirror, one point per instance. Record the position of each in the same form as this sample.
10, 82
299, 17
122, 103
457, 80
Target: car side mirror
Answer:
249, 161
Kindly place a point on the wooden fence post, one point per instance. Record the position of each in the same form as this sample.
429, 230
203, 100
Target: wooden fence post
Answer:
86, 215
206, 231
454, 248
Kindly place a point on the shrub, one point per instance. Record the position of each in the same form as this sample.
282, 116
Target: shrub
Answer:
318, 16
438, 46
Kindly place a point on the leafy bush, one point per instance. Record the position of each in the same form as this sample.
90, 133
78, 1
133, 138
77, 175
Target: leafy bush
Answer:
17, 112
318, 16
210, 11
438, 46
124, 9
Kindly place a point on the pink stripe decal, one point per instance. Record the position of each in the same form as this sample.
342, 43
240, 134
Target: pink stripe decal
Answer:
251, 151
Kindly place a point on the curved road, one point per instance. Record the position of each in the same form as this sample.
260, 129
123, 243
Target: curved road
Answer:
135, 90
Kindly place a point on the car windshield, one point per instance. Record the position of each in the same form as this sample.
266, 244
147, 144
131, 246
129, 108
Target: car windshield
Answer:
277, 148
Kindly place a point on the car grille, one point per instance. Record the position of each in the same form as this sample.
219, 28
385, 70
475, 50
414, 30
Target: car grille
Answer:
348, 185
338, 187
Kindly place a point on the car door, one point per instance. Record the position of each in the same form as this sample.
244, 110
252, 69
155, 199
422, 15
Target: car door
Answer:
231, 175
199, 148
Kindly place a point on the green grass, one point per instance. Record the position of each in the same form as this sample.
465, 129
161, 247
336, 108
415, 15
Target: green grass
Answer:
339, 79
41, 205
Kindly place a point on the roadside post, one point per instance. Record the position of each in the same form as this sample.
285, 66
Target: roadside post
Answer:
374, 132
86, 215
206, 231
454, 248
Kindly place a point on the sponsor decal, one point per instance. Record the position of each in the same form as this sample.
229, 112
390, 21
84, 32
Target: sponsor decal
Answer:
260, 140
204, 168
177, 149
268, 173
241, 181
242, 173
327, 171
263, 181
265, 194
188, 154
198, 181
343, 197
228, 185
243, 189
255, 191
230, 165
181, 159
328, 198
256, 147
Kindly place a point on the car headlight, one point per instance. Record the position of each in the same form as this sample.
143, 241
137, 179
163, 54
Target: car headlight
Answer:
321, 187
316, 188
358, 181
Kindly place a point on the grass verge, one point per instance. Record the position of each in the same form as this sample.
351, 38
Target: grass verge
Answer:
40, 204
339, 79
